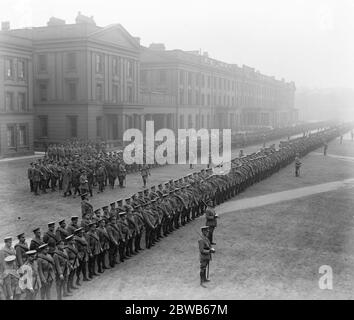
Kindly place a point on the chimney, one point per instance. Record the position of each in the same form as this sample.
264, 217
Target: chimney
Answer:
157, 46
53, 21
5, 26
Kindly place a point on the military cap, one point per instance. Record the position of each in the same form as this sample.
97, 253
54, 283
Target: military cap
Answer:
31, 252
104, 207
166, 183
78, 230
153, 187
120, 201
7, 239
112, 204
160, 185
204, 228
42, 246
68, 238
36, 229
20, 235
123, 213
74, 218
97, 210
127, 199
10, 258
51, 223
60, 221
91, 224
140, 192
171, 180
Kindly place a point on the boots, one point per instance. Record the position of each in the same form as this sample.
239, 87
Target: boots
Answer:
202, 279
71, 283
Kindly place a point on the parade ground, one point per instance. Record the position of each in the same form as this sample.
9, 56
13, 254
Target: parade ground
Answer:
271, 240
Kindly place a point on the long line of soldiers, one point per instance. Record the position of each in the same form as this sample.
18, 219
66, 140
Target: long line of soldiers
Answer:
71, 253
263, 135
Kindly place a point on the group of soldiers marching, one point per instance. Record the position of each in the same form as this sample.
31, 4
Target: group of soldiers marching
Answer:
67, 254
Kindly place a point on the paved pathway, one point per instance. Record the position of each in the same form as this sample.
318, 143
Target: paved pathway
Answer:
270, 198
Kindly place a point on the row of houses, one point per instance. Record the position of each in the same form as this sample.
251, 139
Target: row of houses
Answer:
64, 81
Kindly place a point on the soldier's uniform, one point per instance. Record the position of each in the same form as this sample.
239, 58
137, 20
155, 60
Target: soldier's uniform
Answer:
73, 255
114, 237
46, 271
50, 238
37, 240
61, 232
205, 251
73, 225
95, 249
104, 241
62, 268
21, 248
83, 255
211, 222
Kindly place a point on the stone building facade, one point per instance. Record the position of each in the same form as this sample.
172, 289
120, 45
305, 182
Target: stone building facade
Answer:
16, 96
64, 81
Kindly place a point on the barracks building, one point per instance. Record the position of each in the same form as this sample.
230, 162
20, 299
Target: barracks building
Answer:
65, 81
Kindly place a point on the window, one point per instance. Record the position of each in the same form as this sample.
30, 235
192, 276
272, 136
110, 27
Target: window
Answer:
115, 93
130, 69
11, 136
144, 76
42, 62
99, 92
203, 81
181, 121
197, 98
71, 61
181, 77
72, 126
72, 91
209, 80
99, 63
162, 76
208, 100
214, 83
115, 66
181, 96
9, 101
220, 83
197, 79
9, 68
190, 121
189, 101
232, 101
99, 127
22, 101
189, 78
130, 94
203, 102
23, 135
43, 126
21, 70
43, 92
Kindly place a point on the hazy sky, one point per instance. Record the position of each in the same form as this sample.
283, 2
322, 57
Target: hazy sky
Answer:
308, 41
